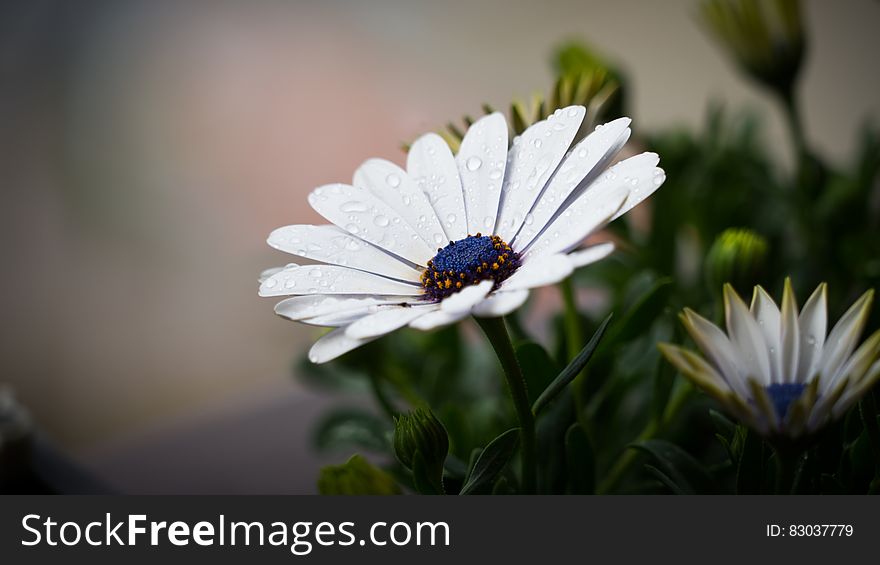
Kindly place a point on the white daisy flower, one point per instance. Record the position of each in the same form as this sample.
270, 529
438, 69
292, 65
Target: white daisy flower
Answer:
456, 235
777, 371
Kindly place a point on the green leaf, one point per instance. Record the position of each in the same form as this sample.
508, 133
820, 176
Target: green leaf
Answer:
581, 461
352, 427
492, 461
537, 366
683, 471
574, 368
356, 476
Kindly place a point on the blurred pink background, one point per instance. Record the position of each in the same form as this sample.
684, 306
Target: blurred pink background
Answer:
148, 148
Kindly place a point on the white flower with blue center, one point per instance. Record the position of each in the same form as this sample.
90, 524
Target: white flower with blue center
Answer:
456, 235
778, 371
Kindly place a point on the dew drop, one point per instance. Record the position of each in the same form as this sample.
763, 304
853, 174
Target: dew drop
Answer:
271, 283
537, 143
529, 219
495, 174
393, 180
450, 218
381, 221
315, 273
353, 206
289, 283
488, 222
572, 112
438, 238
582, 153
474, 163
407, 200
351, 228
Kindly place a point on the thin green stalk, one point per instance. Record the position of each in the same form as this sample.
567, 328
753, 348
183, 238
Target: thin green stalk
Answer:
496, 331
795, 125
786, 467
574, 341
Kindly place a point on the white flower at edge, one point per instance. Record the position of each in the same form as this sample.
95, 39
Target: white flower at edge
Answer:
776, 370
456, 235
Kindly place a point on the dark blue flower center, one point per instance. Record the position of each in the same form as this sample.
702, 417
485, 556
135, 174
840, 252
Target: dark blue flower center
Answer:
468, 261
783, 394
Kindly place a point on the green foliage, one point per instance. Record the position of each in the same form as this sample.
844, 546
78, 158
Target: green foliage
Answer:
356, 476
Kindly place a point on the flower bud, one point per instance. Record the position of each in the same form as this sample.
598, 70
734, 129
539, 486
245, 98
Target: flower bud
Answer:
738, 257
420, 440
765, 37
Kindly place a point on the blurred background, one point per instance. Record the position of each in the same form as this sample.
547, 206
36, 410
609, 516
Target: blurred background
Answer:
148, 148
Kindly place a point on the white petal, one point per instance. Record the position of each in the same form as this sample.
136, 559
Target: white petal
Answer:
717, 347
330, 244
431, 165
583, 164
746, 336
314, 305
361, 213
790, 335
481, 162
266, 273
843, 338
466, 298
500, 303
333, 345
531, 162
395, 187
571, 227
766, 313
386, 321
539, 271
812, 323
854, 391
584, 257
437, 319
331, 279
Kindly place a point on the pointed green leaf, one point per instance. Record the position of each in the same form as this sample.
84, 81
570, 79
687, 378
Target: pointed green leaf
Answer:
686, 473
751, 466
492, 461
574, 368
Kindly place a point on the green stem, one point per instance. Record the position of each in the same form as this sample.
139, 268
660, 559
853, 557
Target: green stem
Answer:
795, 125
786, 467
653, 428
574, 341
496, 331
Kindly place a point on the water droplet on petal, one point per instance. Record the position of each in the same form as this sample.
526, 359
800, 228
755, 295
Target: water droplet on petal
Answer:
572, 112
352, 228
353, 206
450, 218
381, 221
393, 180
271, 283
315, 273
474, 163
495, 174
289, 283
